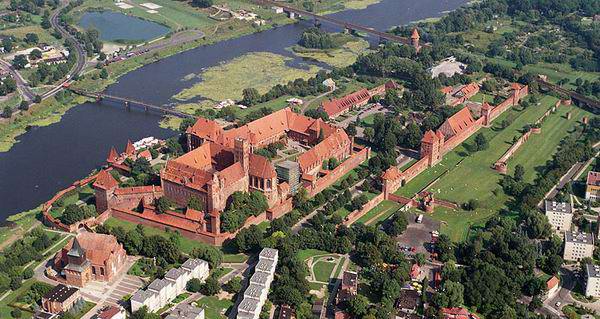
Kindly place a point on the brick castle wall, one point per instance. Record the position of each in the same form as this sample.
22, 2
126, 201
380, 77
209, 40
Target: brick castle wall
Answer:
357, 214
349, 164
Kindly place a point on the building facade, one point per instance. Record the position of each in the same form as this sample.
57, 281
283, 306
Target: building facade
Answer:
592, 280
560, 215
256, 293
578, 246
60, 299
592, 188
90, 257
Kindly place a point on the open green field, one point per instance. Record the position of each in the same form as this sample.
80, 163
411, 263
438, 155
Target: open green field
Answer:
386, 207
339, 57
228, 80
462, 176
323, 270
214, 308
304, 254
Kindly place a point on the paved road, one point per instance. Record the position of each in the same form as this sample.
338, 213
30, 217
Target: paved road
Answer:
563, 295
21, 82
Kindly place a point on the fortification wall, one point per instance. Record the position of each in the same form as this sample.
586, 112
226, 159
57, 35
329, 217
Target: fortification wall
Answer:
355, 215
349, 164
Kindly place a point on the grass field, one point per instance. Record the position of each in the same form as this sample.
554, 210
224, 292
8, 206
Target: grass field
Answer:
214, 308
386, 207
226, 81
323, 270
464, 176
304, 254
340, 57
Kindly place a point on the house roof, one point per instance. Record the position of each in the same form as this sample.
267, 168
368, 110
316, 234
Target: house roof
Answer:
206, 129
337, 106
60, 293
105, 181
552, 282
129, 149
392, 173
109, 312
323, 150
261, 167
469, 89
460, 121
415, 34
98, 247
593, 178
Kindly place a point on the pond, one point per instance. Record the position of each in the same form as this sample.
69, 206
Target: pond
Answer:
116, 27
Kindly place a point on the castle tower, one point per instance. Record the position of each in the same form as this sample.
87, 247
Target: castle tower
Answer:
414, 40
215, 222
104, 186
241, 153
430, 148
129, 149
486, 113
112, 155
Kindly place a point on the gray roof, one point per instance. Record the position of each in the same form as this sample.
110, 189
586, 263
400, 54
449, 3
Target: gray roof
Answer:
158, 284
249, 305
76, 250
78, 268
288, 164
592, 270
174, 273
558, 207
141, 296
259, 278
581, 238
268, 253
265, 265
186, 311
254, 291
193, 263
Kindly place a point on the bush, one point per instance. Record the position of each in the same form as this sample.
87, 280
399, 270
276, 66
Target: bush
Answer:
194, 285
16, 313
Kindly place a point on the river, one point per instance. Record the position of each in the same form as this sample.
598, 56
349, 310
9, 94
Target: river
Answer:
48, 159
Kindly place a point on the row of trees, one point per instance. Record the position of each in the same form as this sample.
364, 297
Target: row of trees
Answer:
315, 38
242, 206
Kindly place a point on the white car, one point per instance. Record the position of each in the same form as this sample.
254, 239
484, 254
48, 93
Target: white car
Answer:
557, 304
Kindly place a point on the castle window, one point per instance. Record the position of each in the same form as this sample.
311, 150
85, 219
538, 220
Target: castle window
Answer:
93, 270
101, 271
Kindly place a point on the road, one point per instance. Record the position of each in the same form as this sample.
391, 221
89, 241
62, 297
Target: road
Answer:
21, 83
563, 296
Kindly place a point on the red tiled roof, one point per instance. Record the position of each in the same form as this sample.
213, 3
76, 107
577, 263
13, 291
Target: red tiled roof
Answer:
129, 149
429, 137
145, 154
112, 155
105, 181
460, 121
193, 214
206, 129
232, 173
323, 150
97, 247
593, 178
261, 167
516, 86
392, 173
552, 282
337, 106
415, 34
447, 89
109, 312
138, 190
469, 89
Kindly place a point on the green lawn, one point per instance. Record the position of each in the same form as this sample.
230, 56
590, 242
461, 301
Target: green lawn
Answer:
214, 308
456, 224
386, 207
304, 254
323, 270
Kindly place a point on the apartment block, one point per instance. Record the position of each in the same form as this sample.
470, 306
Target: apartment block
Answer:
256, 293
578, 245
560, 215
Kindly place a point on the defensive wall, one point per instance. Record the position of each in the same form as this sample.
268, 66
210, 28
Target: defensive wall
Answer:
332, 176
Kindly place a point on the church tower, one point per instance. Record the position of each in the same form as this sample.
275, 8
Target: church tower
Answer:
414, 40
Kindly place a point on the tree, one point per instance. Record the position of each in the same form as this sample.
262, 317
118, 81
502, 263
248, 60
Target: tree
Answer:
7, 44
143, 313
20, 61
194, 285
16, 313
35, 54
351, 129
369, 133
519, 172
211, 286
7, 112
213, 256
234, 285
24, 106
398, 224
163, 204
420, 259
202, 3
250, 96
481, 142
358, 306
195, 203
31, 38
451, 293
104, 73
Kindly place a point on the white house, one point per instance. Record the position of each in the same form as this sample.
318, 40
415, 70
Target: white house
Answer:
255, 295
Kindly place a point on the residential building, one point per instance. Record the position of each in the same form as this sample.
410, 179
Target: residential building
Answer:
458, 313
255, 295
60, 299
90, 257
578, 245
161, 291
186, 311
552, 286
560, 215
592, 189
349, 287
112, 312
408, 301
285, 312
318, 309
592, 280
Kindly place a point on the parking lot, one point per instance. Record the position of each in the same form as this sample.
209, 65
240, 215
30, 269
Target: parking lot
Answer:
418, 235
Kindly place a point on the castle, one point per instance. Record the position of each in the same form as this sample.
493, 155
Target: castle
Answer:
221, 162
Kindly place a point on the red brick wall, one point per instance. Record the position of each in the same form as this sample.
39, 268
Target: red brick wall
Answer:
349, 164
357, 214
